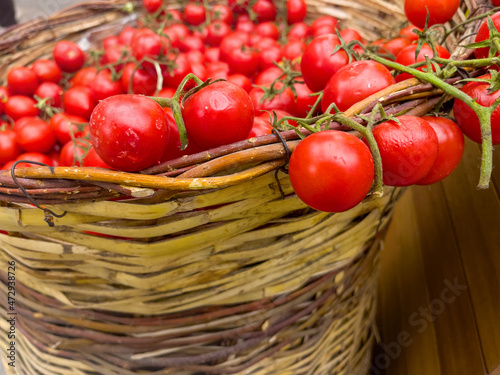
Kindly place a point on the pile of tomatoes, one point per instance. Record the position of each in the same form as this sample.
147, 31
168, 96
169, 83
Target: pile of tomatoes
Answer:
94, 108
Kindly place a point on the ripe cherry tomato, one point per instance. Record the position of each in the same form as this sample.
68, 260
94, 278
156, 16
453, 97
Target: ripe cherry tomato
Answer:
451, 149
65, 124
173, 78
298, 30
396, 45
261, 126
408, 149
216, 31
355, 82
294, 49
68, 56
126, 35
36, 136
440, 11
283, 101
73, 153
103, 86
319, 64
467, 118
85, 77
351, 34
267, 29
52, 91
143, 83
9, 149
93, 160
18, 106
78, 101
296, 11
173, 147
265, 10
47, 70
269, 56
22, 81
195, 14
152, 6
219, 114
407, 57
243, 60
323, 25
223, 13
129, 132
114, 55
241, 80
340, 165
33, 156
303, 101
484, 34
408, 32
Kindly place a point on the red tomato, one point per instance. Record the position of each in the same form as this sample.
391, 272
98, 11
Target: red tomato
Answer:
115, 54
195, 14
303, 101
394, 46
407, 57
73, 153
173, 77
212, 54
241, 80
126, 35
129, 132
243, 60
33, 156
294, 49
103, 86
408, 32
341, 167
18, 106
450, 151
440, 11
232, 41
270, 56
279, 115
68, 56
321, 22
408, 149
319, 64
265, 10
22, 81
298, 30
216, 31
296, 11
78, 101
9, 149
218, 70
467, 118
484, 34
351, 34
219, 114
173, 148
261, 126
50, 90
268, 76
355, 82
267, 29
284, 101
222, 13
110, 41
65, 124
93, 160
244, 24
85, 77
36, 136
152, 6
143, 83
47, 71
146, 44
238, 6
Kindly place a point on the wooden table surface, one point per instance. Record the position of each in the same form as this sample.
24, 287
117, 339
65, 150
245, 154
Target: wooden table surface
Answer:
439, 284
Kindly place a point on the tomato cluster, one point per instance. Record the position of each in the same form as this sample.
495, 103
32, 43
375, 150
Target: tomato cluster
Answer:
96, 108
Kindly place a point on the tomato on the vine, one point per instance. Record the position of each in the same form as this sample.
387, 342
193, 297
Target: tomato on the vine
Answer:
129, 132
408, 149
331, 171
355, 82
450, 151
218, 114
440, 11
407, 57
467, 118
67, 127
36, 136
50, 91
78, 101
18, 106
9, 149
68, 56
484, 34
296, 11
22, 81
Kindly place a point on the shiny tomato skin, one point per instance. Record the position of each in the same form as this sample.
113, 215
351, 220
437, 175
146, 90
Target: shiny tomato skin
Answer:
241, 80
331, 171
219, 114
143, 83
223, 13
68, 56
194, 14
319, 64
72, 152
129, 132
355, 82
22, 81
407, 57
103, 86
9, 149
294, 49
261, 126
174, 77
270, 56
303, 102
18, 106
451, 149
243, 60
296, 11
52, 91
408, 149
299, 31
47, 70
268, 76
126, 35
265, 10
93, 160
267, 29
440, 11
467, 118
36, 136
283, 101
216, 31
396, 45
65, 124
408, 32
152, 6
33, 156
78, 101
484, 34
85, 77
173, 147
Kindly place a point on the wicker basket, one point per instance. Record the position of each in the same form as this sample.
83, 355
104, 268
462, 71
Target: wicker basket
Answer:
214, 267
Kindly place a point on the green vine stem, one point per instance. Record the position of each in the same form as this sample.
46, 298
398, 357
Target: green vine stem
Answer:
483, 113
174, 105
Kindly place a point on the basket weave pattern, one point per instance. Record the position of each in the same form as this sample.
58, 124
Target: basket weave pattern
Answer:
215, 272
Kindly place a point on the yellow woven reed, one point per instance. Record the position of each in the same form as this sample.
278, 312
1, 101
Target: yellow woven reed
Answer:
214, 274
